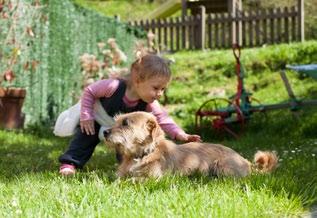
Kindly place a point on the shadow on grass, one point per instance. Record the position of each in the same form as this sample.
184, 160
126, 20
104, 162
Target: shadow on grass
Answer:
26, 152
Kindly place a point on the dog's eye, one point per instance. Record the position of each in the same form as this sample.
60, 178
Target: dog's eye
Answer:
125, 122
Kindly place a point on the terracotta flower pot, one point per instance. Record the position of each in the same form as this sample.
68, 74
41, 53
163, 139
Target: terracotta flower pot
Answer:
11, 102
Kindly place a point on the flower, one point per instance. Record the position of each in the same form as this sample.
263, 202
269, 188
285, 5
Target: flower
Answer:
106, 64
16, 35
8, 75
148, 47
110, 59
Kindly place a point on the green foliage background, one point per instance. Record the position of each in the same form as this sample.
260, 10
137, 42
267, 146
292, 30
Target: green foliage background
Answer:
64, 33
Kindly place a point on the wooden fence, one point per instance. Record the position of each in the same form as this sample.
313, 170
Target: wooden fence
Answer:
248, 28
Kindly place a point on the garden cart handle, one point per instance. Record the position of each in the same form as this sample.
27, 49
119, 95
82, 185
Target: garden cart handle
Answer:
236, 51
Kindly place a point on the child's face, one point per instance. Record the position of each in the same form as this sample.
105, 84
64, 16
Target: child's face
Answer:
151, 89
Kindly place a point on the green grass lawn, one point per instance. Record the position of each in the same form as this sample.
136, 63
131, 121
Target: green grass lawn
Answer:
31, 187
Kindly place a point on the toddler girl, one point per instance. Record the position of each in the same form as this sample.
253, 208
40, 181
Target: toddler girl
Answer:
149, 77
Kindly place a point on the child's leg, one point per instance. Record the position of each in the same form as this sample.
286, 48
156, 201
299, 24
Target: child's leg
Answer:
81, 148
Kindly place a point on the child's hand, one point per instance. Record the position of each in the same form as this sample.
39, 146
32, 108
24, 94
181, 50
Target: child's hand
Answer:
188, 138
87, 126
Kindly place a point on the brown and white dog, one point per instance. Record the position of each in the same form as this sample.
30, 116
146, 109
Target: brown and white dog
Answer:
146, 153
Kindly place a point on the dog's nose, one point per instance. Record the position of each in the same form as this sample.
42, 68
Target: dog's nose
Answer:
106, 132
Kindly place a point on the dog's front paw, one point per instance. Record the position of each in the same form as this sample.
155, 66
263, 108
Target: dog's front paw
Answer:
137, 174
136, 171
138, 179
136, 167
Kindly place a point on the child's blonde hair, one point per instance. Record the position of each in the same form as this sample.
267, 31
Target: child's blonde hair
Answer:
148, 66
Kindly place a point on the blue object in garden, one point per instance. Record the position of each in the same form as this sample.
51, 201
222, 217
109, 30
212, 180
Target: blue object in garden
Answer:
309, 69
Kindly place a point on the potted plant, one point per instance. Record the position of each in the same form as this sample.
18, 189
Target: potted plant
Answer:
11, 102
16, 35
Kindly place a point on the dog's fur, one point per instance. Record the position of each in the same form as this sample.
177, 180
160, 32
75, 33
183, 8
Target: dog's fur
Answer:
146, 153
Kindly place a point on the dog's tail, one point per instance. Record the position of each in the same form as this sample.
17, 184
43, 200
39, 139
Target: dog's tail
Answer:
265, 161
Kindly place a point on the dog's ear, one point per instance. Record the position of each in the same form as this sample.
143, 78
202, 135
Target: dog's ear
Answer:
154, 128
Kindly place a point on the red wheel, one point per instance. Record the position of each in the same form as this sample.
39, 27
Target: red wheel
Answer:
215, 109
221, 112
